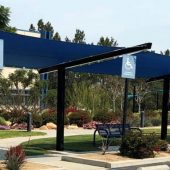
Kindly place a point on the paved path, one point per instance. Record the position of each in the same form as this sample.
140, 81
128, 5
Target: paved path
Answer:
53, 159
6, 143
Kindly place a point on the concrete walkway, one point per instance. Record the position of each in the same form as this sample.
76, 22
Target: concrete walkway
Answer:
54, 160
51, 159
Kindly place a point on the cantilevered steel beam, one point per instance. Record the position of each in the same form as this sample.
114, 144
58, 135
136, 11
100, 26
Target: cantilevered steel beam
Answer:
99, 57
61, 82
158, 78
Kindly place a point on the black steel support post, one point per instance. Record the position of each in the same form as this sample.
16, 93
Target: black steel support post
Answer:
134, 95
165, 109
60, 109
125, 106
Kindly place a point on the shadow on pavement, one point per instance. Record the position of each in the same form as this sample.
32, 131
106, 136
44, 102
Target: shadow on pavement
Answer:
2, 153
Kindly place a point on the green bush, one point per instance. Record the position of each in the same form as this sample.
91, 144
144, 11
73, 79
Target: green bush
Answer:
156, 121
3, 121
79, 117
152, 113
133, 119
49, 115
22, 118
5, 114
147, 123
104, 116
138, 145
37, 120
163, 145
17, 116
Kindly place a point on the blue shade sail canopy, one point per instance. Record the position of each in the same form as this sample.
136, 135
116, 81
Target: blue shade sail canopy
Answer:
29, 52
148, 65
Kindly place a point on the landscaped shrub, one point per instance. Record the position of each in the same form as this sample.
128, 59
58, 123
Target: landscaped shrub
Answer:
90, 125
147, 123
14, 158
163, 145
17, 116
104, 116
156, 121
22, 118
6, 115
37, 120
133, 119
3, 121
79, 117
49, 115
4, 127
138, 145
152, 113
20, 126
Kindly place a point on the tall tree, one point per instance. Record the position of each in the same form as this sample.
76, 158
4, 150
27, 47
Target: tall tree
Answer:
15, 96
45, 26
112, 86
32, 28
79, 37
107, 42
166, 52
67, 39
5, 19
142, 88
57, 37
49, 27
40, 25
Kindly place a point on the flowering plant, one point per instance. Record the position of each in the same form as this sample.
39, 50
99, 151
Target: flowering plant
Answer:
15, 157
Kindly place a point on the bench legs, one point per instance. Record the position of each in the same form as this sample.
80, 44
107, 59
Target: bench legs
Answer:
94, 138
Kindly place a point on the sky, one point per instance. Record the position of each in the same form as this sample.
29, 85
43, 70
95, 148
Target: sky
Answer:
130, 22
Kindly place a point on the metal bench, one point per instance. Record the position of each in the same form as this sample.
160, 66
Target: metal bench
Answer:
110, 131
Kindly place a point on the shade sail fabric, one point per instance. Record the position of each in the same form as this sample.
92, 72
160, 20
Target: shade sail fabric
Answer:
148, 65
23, 51
30, 52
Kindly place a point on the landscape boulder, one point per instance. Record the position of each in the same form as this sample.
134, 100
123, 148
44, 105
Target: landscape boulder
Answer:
51, 125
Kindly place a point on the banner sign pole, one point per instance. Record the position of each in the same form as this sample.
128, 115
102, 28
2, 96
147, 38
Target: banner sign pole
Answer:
1, 53
129, 66
128, 72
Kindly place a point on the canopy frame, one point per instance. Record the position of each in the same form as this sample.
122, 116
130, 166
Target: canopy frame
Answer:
61, 84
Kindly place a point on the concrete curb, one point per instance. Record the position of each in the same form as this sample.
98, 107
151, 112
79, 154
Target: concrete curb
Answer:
158, 167
137, 162
86, 161
118, 164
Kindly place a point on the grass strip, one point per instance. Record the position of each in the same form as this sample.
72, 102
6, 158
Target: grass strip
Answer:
15, 133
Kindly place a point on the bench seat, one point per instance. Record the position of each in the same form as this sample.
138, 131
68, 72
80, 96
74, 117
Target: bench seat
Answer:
109, 131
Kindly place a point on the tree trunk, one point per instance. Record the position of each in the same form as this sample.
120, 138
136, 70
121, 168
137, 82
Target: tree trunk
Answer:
139, 107
114, 105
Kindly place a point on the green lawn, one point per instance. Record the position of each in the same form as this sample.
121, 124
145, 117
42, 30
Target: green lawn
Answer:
16, 133
156, 130
78, 143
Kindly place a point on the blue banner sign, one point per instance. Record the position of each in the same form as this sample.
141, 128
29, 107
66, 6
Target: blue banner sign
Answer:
1, 53
129, 66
